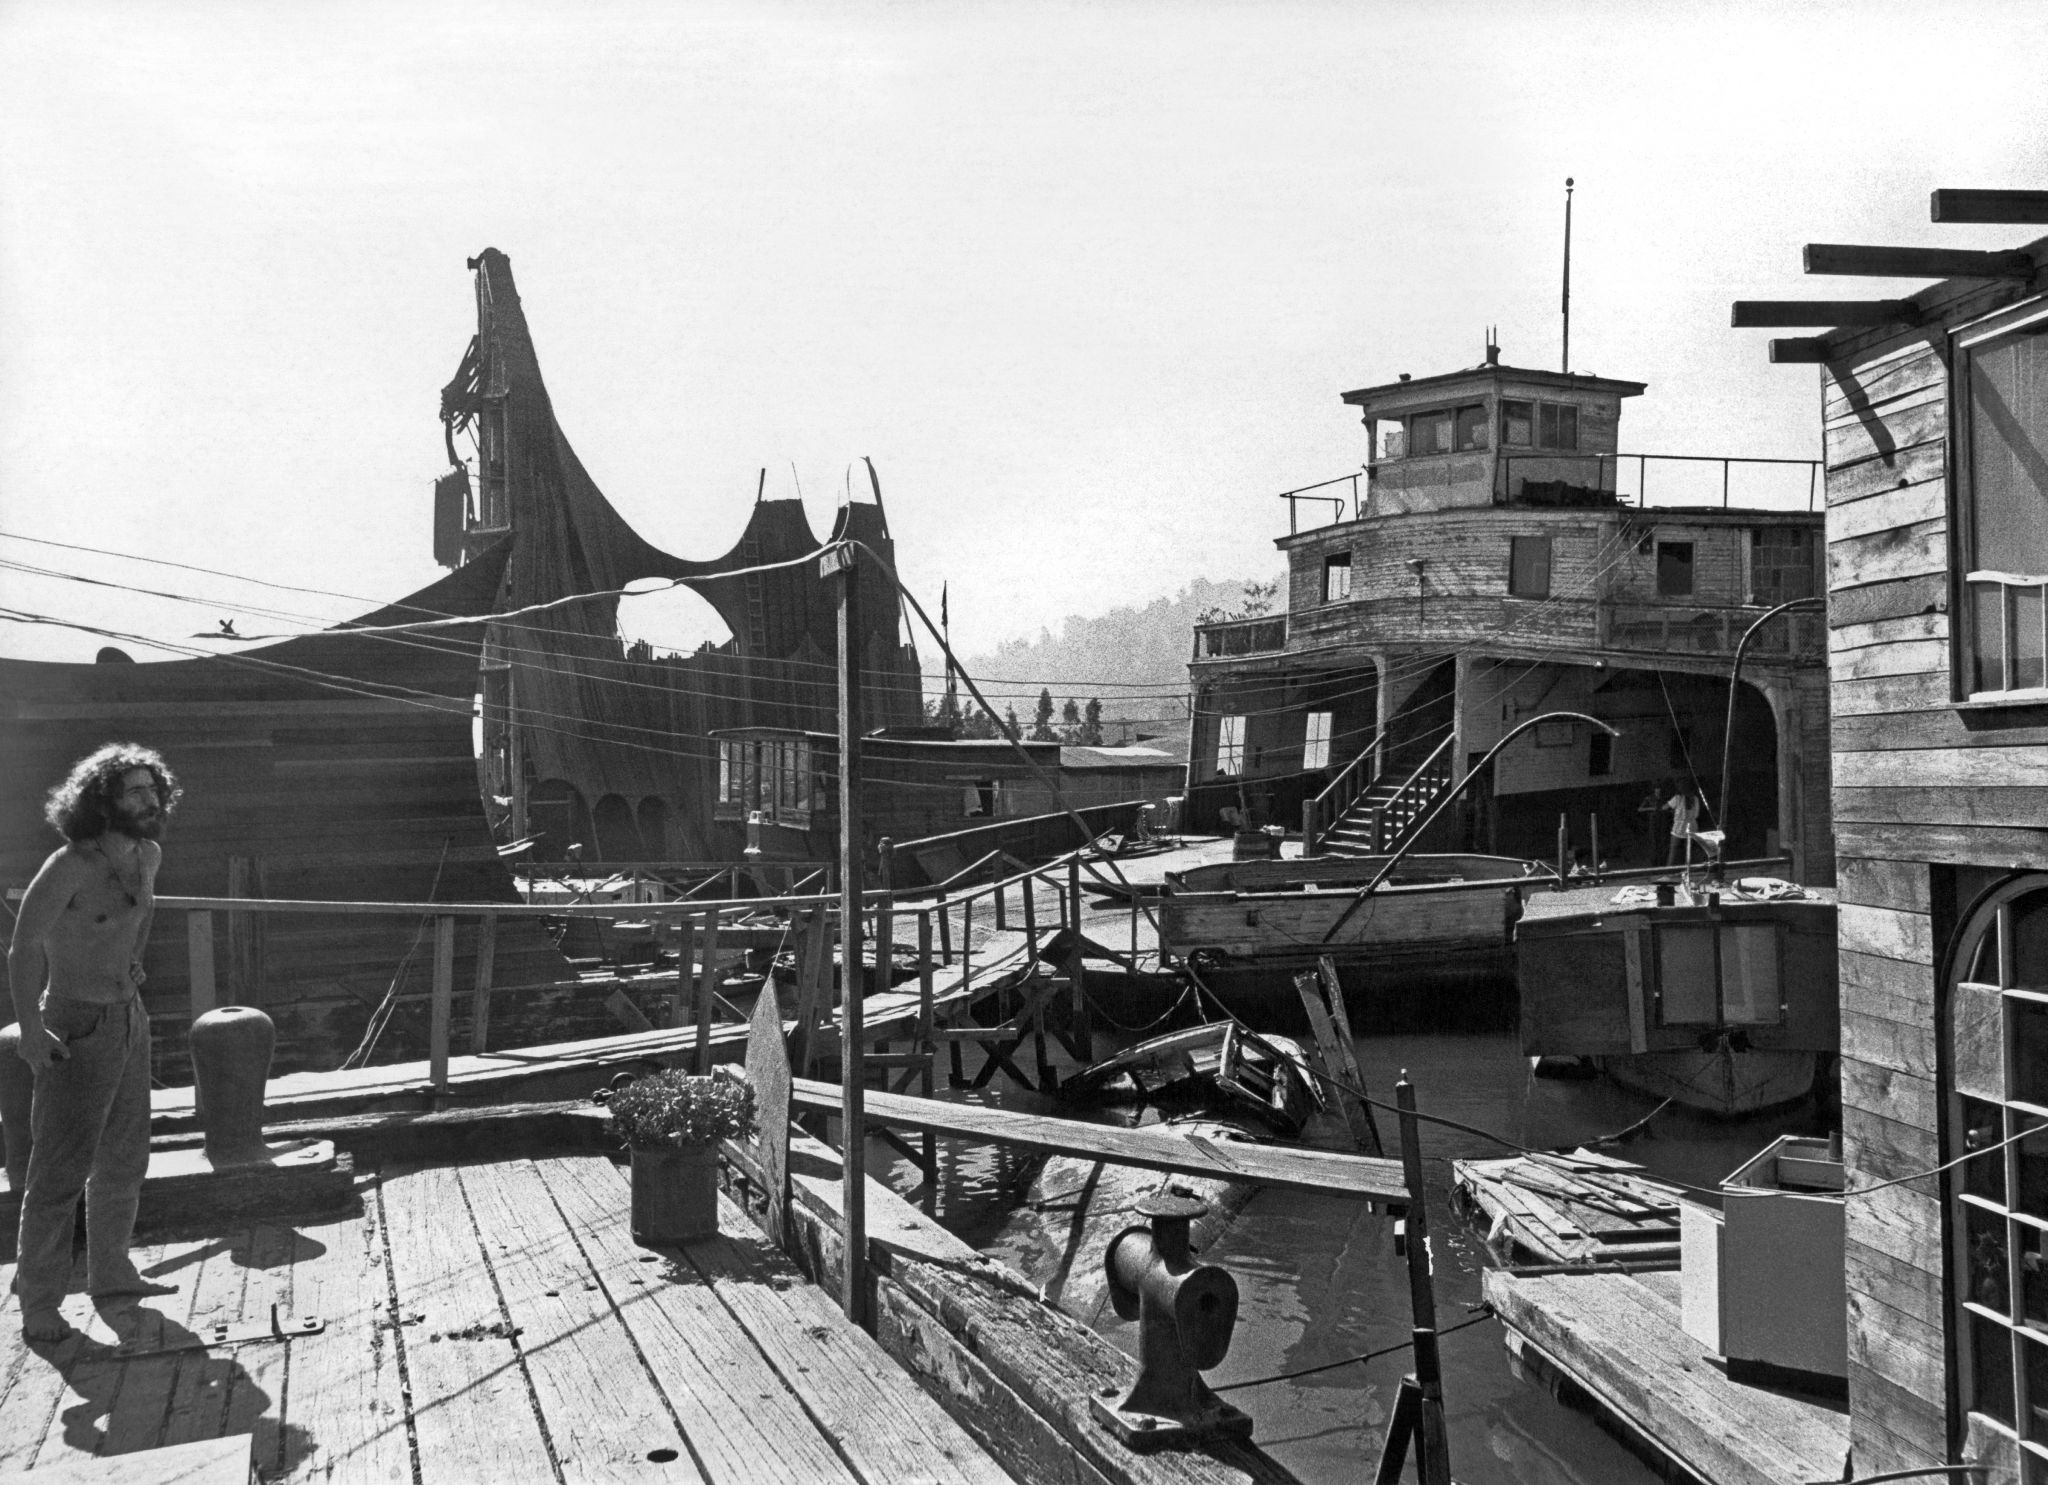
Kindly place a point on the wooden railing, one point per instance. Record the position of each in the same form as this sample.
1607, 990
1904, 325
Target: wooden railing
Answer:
1240, 637
988, 886
1319, 816
1405, 806
1708, 629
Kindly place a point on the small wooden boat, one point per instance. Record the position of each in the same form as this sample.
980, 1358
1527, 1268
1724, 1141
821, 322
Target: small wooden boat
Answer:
1336, 873
1726, 1005
1220, 1067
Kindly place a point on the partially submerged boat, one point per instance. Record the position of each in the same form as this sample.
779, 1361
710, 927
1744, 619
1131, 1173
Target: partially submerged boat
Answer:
1725, 1003
1221, 1067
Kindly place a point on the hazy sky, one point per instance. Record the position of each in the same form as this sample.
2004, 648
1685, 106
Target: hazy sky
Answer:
1084, 280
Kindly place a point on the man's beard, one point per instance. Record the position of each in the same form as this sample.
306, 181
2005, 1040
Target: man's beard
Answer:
140, 827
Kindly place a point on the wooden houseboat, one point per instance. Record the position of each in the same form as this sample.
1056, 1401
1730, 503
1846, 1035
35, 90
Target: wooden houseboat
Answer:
1935, 415
394, 765
1499, 558
1724, 1005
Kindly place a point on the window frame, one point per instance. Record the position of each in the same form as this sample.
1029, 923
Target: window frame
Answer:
1315, 741
1333, 563
1692, 578
1230, 745
1515, 547
1967, 584
1718, 930
1971, 1209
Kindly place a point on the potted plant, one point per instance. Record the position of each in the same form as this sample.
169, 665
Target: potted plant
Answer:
671, 1122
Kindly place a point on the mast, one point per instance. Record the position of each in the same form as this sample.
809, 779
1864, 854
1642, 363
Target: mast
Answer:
1566, 368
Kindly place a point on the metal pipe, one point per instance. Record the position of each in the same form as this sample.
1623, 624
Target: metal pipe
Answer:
1735, 676
1444, 800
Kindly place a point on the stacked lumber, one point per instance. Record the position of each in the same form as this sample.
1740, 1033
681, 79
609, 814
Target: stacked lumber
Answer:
1584, 1210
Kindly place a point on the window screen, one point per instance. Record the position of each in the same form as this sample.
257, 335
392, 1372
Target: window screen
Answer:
1315, 746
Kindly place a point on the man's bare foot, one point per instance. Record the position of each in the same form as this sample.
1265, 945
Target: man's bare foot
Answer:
44, 1325
129, 1281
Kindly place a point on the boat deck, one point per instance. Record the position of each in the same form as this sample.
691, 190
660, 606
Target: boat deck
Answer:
1618, 1338
484, 1322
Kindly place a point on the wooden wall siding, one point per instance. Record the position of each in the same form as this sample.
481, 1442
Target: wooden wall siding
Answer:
1914, 782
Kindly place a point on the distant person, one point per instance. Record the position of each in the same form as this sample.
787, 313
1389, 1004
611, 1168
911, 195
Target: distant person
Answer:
1648, 808
75, 969
1685, 821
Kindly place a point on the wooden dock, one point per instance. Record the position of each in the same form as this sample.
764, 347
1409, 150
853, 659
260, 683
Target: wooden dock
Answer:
492, 1321
1617, 1339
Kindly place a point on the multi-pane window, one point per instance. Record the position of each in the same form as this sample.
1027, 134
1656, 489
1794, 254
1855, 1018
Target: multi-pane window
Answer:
1429, 433
1718, 974
1469, 428
1230, 745
1674, 569
1315, 743
2002, 495
774, 777
1336, 577
1539, 425
1529, 566
1998, 1115
1784, 564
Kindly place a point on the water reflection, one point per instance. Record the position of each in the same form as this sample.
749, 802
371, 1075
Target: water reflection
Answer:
1319, 1281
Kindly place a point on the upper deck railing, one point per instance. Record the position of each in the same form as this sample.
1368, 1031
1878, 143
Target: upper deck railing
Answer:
1240, 637
1691, 480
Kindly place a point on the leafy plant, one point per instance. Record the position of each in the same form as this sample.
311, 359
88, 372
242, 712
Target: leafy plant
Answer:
673, 1110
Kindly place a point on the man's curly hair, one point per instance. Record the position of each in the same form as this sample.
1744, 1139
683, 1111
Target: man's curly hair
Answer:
82, 807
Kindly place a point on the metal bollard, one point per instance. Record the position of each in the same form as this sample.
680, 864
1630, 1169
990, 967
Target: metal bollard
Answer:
1185, 1312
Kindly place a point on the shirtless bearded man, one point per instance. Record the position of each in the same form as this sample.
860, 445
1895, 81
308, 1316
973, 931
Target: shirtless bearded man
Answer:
75, 969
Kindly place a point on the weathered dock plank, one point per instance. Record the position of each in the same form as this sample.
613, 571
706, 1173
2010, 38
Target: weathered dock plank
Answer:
1618, 1337
743, 1422
1156, 1147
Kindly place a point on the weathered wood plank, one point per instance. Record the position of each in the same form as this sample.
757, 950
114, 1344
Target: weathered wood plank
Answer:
2022, 847
344, 1414
1884, 1149
1889, 932
742, 1420
1888, 510
1882, 1043
471, 1410
1877, 985
1907, 1288
1900, 1223
1153, 1148
1900, 657
1844, 638
881, 1420
1959, 768
1985, 805
603, 1412
1884, 556
1892, 1428
1878, 883
205, 1380
1895, 1345
1867, 477
1847, 392
135, 1418
1937, 727
1925, 594
256, 1398
1923, 421
1888, 1093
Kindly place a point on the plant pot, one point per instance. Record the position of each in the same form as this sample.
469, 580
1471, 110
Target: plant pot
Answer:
675, 1195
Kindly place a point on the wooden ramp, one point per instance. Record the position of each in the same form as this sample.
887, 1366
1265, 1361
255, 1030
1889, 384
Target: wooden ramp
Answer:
1154, 1147
1579, 1210
1618, 1338
486, 1322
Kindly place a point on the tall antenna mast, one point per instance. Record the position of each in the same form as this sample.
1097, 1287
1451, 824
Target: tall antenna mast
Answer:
1567, 366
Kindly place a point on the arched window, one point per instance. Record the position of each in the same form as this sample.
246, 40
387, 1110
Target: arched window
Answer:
1998, 1103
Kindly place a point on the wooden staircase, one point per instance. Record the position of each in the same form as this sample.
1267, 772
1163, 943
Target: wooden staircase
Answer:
1362, 814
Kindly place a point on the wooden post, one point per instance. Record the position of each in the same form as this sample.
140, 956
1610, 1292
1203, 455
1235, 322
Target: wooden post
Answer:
1564, 848
707, 985
686, 963
925, 1027
945, 933
956, 1066
444, 1000
480, 994
885, 917
1593, 824
839, 560
1322, 997
1433, 1452
1083, 1021
245, 933
199, 960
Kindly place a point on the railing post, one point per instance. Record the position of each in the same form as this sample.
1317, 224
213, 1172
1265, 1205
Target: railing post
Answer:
444, 1001
1308, 827
199, 960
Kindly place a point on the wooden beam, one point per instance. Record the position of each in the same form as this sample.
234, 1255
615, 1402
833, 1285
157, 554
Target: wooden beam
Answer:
1807, 349
1914, 262
1988, 206
1772, 314
444, 1001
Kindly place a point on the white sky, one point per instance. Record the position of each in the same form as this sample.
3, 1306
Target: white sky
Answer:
1084, 280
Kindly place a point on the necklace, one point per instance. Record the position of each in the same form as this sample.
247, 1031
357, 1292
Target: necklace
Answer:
128, 888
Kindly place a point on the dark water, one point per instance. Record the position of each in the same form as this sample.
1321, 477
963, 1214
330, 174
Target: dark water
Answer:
1319, 1280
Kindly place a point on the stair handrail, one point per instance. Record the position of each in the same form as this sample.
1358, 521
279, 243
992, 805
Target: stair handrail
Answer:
1421, 773
1319, 816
